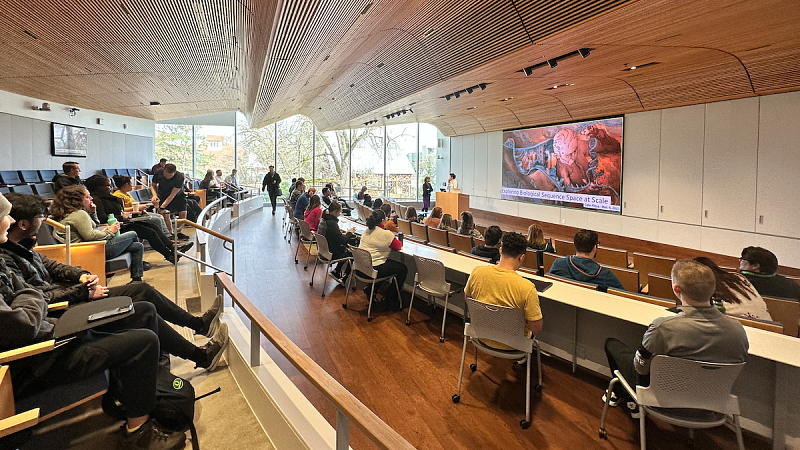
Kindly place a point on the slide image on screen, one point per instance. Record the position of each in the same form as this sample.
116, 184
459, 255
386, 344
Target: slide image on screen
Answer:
69, 140
577, 165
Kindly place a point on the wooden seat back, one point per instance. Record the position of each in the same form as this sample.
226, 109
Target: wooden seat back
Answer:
419, 230
642, 298
442, 247
470, 255
460, 242
481, 228
591, 286
438, 236
647, 264
628, 277
785, 311
404, 226
531, 261
548, 259
89, 256
660, 286
611, 256
771, 327
564, 248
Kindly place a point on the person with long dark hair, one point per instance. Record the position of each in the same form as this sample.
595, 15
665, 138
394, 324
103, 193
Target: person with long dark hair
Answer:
467, 226
313, 212
435, 217
737, 294
411, 215
427, 188
380, 243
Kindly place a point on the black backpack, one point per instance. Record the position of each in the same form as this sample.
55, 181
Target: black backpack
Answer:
174, 409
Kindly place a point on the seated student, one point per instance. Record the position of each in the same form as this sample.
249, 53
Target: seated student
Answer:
759, 266
293, 186
700, 332
129, 348
491, 248
109, 205
467, 227
212, 190
536, 242
346, 209
447, 223
377, 203
368, 200
124, 187
390, 225
70, 177
501, 285
313, 213
302, 202
62, 283
411, 215
337, 240
380, 243
435, 217
581, 266
73, 206
360, 194
327, 197
299, 190
737, 294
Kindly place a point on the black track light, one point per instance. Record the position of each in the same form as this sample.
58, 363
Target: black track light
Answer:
552, 63
411, 110
469, 90
528, 71
482, 86
457, 95
447, 97
584, 52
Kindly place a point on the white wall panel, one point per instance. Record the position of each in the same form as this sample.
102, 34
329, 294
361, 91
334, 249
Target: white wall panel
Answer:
679, 234
786, 249
6, 152
646, 229
541, 213
479, 166
640, 156
607, 223
466, 175
574, 218
21, 135
680, 189
41, 143
727, 242
778, 162
494, 164
507, 207
729, 158
456, 155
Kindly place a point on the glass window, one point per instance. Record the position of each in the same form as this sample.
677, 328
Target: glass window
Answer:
367, 160
295, 137
214, 149
174, 142
401, 161
332, 161
256, 151
434, 150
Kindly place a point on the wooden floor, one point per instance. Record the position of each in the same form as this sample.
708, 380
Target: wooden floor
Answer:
407, 377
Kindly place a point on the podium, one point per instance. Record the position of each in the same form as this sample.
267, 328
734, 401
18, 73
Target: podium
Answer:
452, 203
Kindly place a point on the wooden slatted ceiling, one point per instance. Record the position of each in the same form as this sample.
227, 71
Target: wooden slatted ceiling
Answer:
274, 59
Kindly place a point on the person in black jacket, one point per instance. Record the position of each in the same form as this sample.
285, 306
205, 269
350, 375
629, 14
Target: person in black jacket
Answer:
337, 241
427, 188
491, 248
109, 205
272, 182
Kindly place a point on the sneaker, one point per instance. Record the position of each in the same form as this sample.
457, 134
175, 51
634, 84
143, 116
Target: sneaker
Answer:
151, 436
614, 400
634, 410
185, 247
211, 318
183, 237
146, 265
215, 348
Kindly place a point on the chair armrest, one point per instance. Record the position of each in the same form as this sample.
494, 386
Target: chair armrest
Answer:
28, 350
624, 382
57, 306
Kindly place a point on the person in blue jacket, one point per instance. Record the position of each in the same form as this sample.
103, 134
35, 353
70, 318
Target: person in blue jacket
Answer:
582, 267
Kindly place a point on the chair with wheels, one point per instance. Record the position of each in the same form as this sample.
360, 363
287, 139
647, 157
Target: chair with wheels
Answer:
505, 325
306, 237
364, 271
325, 256
705, 402
430, 278
291, 227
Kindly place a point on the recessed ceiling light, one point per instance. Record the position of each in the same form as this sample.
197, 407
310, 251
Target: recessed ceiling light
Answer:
380, 65
366, 8
472, 107
507, 99
429, 32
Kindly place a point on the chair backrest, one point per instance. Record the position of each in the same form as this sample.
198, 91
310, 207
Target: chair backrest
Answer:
478, 241
470, 255
431, 275
460, 242
45, 235
548, 259
785, 311
564, 248
305, 230
419, 230
109, 172
796, 279
660, 286
647, 264
773, 327
10, 177
47, 175
404, 226
322, 248
481, 228
611, 256
441, 247
642, 298
497, 323
628, 277
591, 286
683, 383
438, 236
30, 176
531, 260
4, 190
124, 172
22, 189
362, 262
44, 190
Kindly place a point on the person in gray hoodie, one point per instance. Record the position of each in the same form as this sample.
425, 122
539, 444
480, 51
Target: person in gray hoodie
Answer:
582, 267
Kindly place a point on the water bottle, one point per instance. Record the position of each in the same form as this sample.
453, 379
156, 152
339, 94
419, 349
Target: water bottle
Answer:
111, 221
400, 237
719, 304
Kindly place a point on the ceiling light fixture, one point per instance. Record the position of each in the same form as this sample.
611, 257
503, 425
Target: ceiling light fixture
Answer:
472, 107
428, 33
44, 107
482, 86
552, 63
469, 90
651, 63
528, 71
366, 8
457, 95
584, 52
447, 97
507, 99
73, 112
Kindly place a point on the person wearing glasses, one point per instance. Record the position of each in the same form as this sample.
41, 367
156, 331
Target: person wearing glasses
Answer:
582, 267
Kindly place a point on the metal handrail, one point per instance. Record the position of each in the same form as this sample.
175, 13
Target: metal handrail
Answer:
67, 237
348, 407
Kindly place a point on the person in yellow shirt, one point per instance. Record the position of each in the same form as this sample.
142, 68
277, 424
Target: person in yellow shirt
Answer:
502, 285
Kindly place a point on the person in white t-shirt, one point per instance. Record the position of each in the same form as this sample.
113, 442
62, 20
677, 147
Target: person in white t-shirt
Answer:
452, 184
380, 242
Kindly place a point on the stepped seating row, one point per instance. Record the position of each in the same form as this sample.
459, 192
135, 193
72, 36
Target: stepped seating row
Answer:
18, 177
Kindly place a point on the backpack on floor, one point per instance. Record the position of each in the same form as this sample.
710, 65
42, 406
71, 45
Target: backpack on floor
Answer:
174, 409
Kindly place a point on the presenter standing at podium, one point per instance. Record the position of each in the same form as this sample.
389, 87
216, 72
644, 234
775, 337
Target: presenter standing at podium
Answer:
452, 184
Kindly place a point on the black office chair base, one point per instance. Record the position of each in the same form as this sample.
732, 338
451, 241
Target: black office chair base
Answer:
344, 305
603, 433
441, 339
456, 398
369, 319
473, 367
408, 322
525, 424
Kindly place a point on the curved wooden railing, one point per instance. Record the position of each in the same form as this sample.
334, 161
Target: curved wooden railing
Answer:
67, 238
348, 407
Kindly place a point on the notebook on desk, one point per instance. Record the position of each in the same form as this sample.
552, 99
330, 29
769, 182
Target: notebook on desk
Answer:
541, 286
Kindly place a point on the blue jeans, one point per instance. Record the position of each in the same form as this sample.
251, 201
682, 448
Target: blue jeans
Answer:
127, 242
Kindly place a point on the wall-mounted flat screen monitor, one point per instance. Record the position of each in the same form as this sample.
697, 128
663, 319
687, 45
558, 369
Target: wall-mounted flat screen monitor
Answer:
69, 140
575, 165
